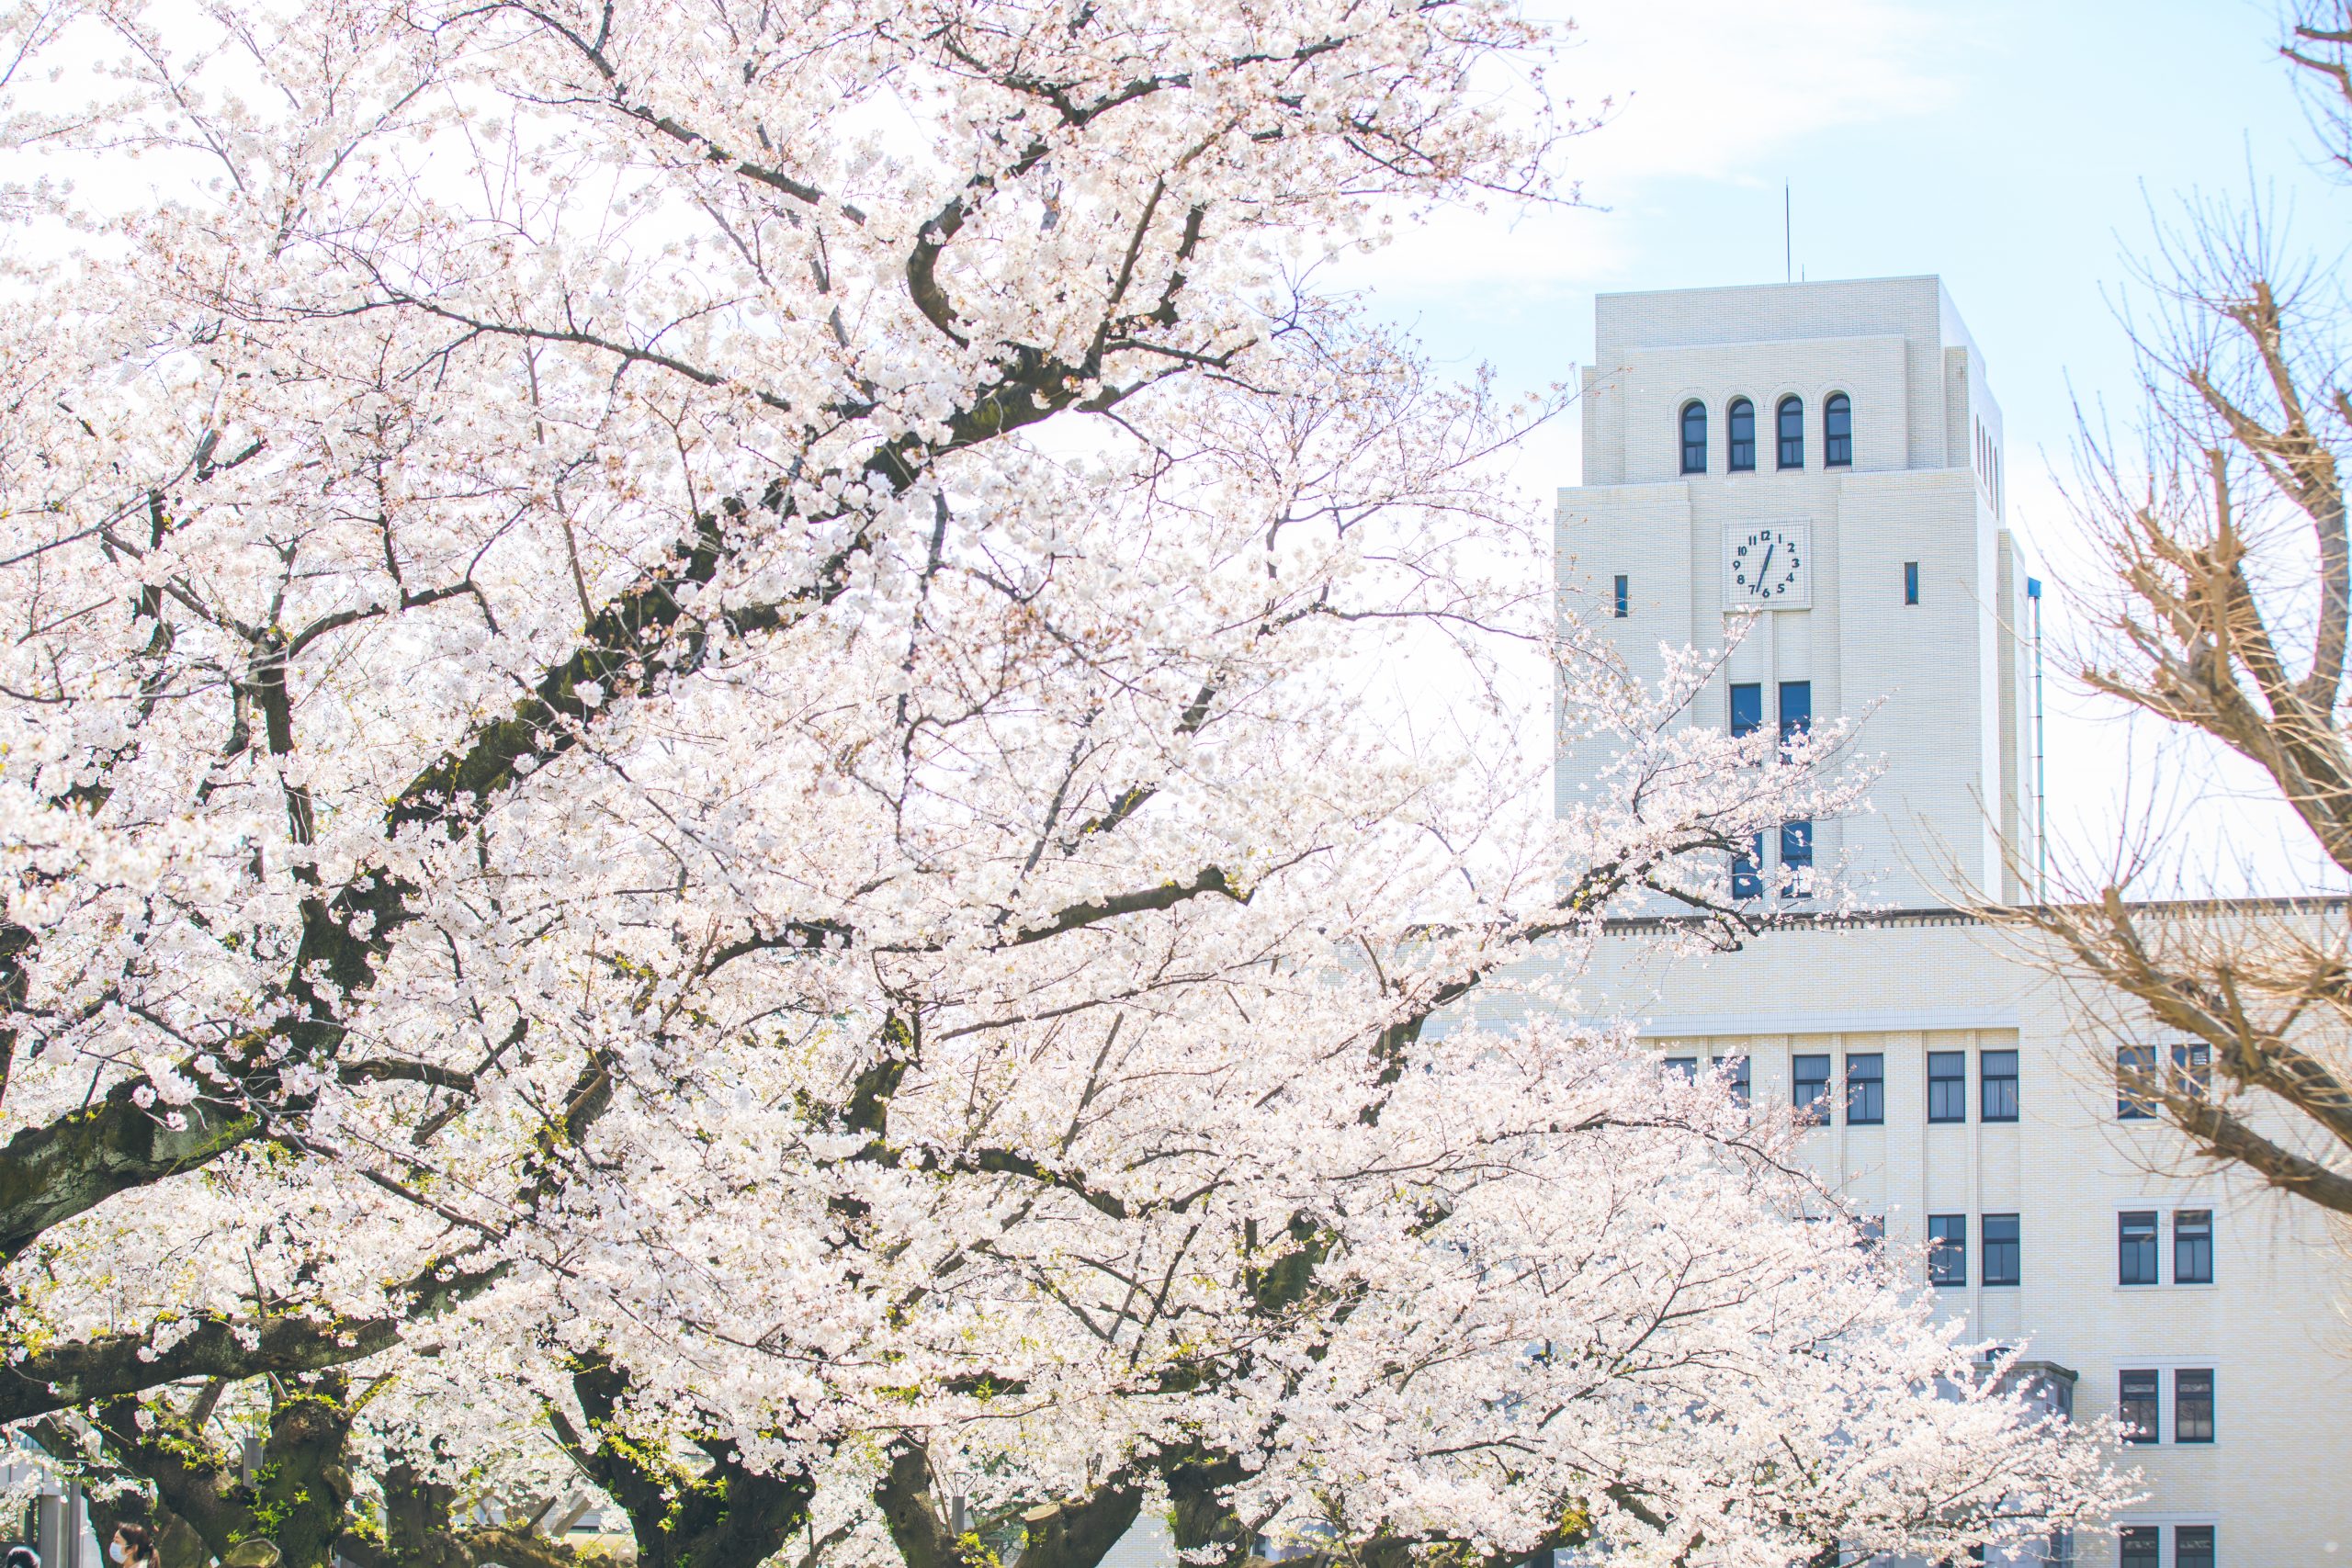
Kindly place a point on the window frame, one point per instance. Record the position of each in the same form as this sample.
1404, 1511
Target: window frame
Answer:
1787, 431
1748, 871
1959, 1093
1910, 583
2132, 1061
1740, 456
1797, 1080
2184, 1422
2137, 1389
1621, 594
2128, 1537
1865, 1094
1948, 1250
2203, 1276
1687, 1066
1753, 689
1986, 1079
1836, 446
1690, 445
2014, 1275
1739, 1078
2134, 1252
2210, 1547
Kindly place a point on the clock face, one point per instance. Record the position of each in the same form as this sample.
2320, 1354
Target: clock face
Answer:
1768, 566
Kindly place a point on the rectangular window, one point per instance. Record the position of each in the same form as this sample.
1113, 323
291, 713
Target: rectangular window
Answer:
1947, 1249
1870, 1232
1748, 871
2192, 1070
1865, 1089
2141, 1547
1736, 1069
1947, 1086
2192, 1246
1684, 1068
2192, 1546
1910, 583
1997, 1072
2135, 1407
1796, 712
1796, 859
1809, 1084
2003, 1262
2135, 1072
2192, 1406
2136, 1248
1620, 595
1747, 708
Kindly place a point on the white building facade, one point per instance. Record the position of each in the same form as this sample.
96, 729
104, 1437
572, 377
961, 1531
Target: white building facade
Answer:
1829, 456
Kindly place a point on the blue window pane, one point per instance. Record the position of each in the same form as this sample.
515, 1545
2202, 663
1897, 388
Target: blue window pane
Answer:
1694, 438
1742, 455
2136, 1248
1791, 414
1809, 1082
1910, 583
1865, 1089
1622, 595
2002, 1249
1947, 1086
1998, 1071
1837, 431
1748, 871
1947, 1249
1747, 708
1796, 710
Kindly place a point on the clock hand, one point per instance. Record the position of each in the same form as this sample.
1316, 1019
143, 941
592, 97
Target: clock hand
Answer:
1767, 564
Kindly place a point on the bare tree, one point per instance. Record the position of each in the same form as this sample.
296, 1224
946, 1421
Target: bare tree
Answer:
2227, 611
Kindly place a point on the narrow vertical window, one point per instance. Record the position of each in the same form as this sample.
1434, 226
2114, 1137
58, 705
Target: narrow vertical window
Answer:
2136, 1074
2135, 1407
2142, 1546
2192, 1546
2192, 1406
1910, 583
1997, 1074
1747, 708
1796, 714
1865, 1089
2192, 1246
1620, 595
1741, 457
1809, 1084
1796, 859
1947, 1249
1947, 1086
1792, 420
1734, 1070
1748, 871
2004, 1250
2136, 1248
1837, 431
1694, 437
2192, 1070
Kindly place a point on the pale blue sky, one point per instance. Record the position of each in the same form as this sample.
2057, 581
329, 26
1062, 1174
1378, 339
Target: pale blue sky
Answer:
2014, 148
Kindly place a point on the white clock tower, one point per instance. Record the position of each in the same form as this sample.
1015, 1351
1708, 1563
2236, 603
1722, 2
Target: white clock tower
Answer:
1829, 455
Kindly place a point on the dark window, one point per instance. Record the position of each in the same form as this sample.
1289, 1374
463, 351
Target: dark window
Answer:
1865, 1089
1620, 595
1747, 708
2136, 1248
1809, 1083
1743, 436
1748, 870
1791, 414
2135, 1407
1796, 712
1910, 583
2135, 1072
2192, 1546
1837, 431
2141, 1547
2003, 1266
2192, 1406
1870, 1232
2192, 1070
1947, 1249
1997, 1074
1694, 438
1947, 1086
1796, 859
2192, 1246
1736, 1070
1684, 1068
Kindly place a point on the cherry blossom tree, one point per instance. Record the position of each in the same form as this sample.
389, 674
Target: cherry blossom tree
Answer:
719, 765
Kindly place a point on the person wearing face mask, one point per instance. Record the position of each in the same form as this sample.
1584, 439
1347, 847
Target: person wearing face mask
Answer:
133, 1547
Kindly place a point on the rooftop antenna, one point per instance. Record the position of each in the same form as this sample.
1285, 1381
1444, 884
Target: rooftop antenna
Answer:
1788, 242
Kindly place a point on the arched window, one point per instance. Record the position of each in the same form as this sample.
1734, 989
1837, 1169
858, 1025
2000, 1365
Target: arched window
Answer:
1743, 436
1694, 437
1837, 431
1792, 433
